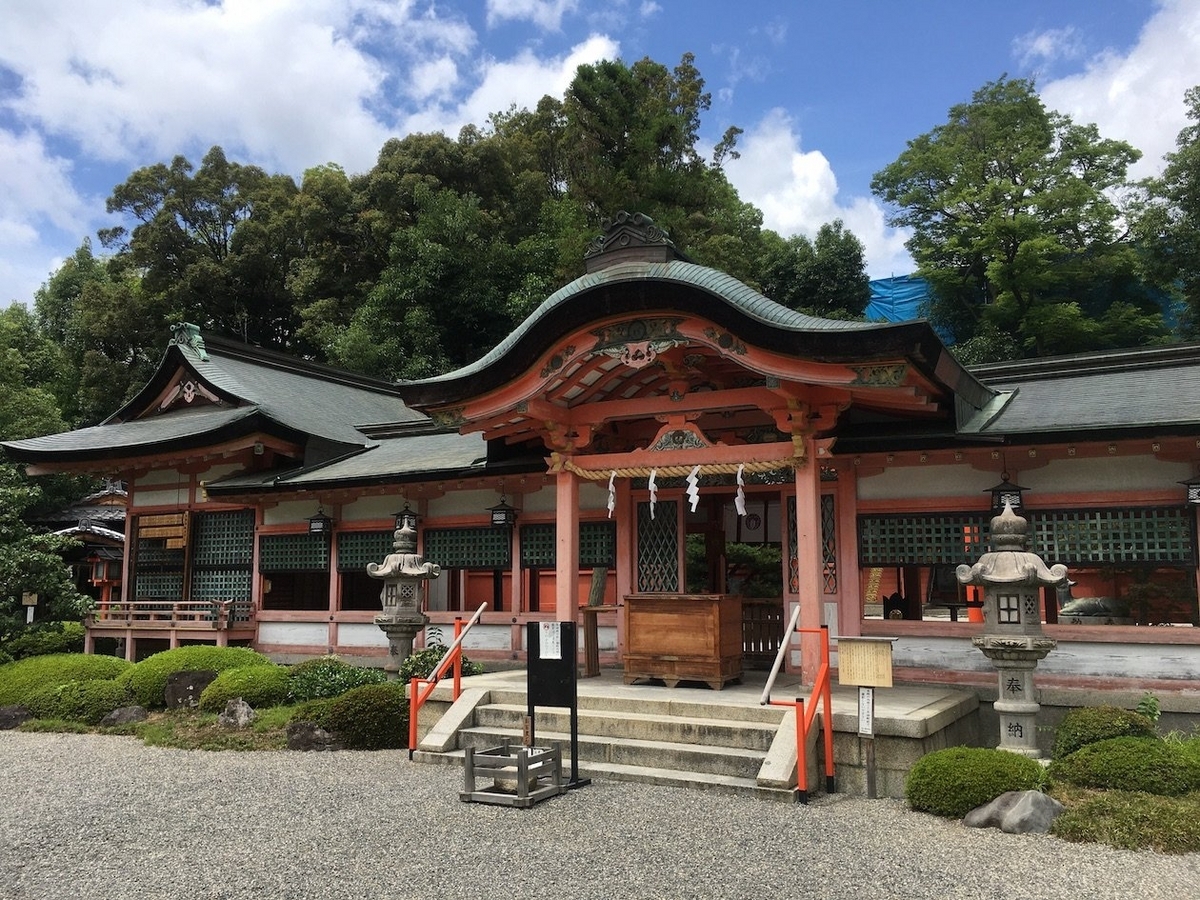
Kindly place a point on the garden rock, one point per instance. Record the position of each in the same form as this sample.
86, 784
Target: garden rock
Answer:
238, 714
308, 736
184, 688
1016, 812
12, 716
126, 715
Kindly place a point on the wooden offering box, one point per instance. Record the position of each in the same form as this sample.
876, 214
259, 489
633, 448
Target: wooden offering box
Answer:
683, 637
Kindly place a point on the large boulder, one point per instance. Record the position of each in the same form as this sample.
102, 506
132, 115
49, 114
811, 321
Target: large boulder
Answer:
1016, 812
184, 688
309, 736
126, 715
12, 716
238, 714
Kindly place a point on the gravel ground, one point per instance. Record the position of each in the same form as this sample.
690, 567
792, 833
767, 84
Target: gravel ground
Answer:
89, 816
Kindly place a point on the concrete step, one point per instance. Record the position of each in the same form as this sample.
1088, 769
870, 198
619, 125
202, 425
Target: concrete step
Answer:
631, 752
683, 703
611, 771
713, 732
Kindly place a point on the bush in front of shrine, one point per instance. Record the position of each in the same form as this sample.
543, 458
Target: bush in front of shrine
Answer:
262, 685
954, 781
1091, 724
147, 680
421, 663
24, 678
328, 676
44, 638
371, 717
1148, 765
79, 701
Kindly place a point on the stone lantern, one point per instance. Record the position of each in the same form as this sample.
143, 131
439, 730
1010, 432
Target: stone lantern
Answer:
402, 573
1012, 579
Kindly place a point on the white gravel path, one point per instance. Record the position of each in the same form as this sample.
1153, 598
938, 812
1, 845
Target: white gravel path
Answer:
89, 816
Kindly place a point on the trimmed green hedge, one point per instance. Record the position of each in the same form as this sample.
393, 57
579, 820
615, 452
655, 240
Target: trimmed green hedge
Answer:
259, 685
372, 717
22, 679
79, 701
147, 680
1090, 724
953, 782
1147, 765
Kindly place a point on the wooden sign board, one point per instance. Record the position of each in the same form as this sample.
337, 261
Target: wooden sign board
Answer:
865, 662
171, 527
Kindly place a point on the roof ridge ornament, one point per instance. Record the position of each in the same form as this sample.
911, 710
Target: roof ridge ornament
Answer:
185, 334
630, 237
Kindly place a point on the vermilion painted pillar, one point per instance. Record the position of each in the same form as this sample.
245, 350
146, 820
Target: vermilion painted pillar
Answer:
566, 570
808, 558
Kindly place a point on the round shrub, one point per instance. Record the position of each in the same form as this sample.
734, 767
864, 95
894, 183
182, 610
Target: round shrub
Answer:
953, 782
1090, 724
22, 679
372, 717
147, 680
328, 676
79, 701
1148, 765
421, 663
46, 638
260, 685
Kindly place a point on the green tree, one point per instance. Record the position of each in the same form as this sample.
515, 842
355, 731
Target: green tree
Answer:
823, 277
1011, 211
215, 245
1168, 220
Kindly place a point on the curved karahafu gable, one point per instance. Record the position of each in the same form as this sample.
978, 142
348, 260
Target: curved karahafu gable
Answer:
630, 286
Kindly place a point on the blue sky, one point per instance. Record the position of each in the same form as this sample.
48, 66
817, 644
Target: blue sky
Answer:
827, 92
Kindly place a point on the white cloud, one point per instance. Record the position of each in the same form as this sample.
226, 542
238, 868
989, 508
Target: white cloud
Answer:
797, 193
434, 79
522, 80
1047, 46
547, 14
649, 8
1139, 97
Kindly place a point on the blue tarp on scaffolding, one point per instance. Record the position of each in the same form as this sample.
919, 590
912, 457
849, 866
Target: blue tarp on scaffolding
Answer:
899, 299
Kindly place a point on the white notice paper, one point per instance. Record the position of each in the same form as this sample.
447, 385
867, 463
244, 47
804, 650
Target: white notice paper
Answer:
550, 641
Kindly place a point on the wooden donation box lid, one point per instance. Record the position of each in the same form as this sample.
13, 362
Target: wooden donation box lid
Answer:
865, 662
683, 637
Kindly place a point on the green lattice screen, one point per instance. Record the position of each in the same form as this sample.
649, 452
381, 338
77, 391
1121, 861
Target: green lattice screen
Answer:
469, 548
158, 570
1152, 534
223, 538
1162, 535
293, 553
597, 545
658, 548
357, 548
945, 539
829, 573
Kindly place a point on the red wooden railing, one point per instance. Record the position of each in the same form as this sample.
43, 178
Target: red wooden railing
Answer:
806, 714
421, 688
215, 614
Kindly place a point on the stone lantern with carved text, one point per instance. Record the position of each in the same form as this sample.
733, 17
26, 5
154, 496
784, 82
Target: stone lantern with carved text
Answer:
1012, 579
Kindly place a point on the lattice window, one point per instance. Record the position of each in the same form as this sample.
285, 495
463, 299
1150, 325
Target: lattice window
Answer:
1151, 534
938, 539
658, 548
469, 548
357, 548
221, 584
538, 546
597, 545
1161, 535
829, 573
223, 538
293, 553
158, 558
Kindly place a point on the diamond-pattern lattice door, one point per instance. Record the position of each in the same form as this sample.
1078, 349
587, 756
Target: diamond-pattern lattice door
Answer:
658, 548
829, 569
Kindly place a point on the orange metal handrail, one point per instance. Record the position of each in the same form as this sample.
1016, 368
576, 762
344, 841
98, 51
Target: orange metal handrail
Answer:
421, 688
806, 715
